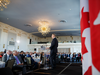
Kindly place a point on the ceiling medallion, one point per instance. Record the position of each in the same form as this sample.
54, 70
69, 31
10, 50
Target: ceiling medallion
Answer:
3, 4
44, 28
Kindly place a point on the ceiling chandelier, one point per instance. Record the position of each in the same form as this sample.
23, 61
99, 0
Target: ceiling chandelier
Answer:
3, 4
44, 28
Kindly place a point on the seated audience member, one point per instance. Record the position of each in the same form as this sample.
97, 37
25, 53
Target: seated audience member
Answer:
22, 55
68, 57
42, 58
32, 60
6, 56
34, 54
0, 55
38, 54
77, 57
73, 57
31, 53
5, 51
59, 57
11, 53
65, 57
18, 65
62, 57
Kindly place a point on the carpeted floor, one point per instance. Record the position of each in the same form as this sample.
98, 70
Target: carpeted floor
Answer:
72, 69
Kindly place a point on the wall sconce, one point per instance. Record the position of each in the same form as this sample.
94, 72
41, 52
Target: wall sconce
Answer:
3, 45
18, 47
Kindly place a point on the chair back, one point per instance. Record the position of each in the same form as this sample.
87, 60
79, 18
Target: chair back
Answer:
43, 60
6, 71
28, 60
10, 63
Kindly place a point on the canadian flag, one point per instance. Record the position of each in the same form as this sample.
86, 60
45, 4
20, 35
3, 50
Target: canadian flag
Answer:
85, 38
90, 33
94, 15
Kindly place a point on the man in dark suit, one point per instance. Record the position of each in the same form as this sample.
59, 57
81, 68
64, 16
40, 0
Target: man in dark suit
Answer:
5, 51
22, 55
53, 51
68, 57
6, 56
18, 65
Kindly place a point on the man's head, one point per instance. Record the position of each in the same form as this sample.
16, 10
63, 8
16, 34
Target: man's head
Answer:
15, 53
31, 53
21, 52
27, 52
53, 36
8, 52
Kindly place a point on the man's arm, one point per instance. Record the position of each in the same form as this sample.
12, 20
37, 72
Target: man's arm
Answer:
52, 44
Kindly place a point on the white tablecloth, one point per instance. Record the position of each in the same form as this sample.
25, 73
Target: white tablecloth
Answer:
2, 64
36, 59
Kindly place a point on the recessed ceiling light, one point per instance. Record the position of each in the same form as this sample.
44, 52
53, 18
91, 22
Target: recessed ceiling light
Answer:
63, 21
7, 18
58, 14
28, 25
69, 9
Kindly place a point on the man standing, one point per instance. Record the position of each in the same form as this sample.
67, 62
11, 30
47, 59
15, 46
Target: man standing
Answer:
53, 51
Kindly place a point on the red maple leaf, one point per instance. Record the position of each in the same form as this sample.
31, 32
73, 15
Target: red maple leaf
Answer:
84, 25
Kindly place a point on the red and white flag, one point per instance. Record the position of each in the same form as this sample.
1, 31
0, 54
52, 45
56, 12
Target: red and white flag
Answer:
90, 33
94, 15
85, 38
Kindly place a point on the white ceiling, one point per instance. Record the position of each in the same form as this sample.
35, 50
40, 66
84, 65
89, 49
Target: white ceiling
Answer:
21, 12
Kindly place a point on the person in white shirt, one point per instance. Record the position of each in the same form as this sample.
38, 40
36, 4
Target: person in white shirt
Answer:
33, 55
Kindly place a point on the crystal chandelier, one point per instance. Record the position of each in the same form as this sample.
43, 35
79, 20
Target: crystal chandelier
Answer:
3, 4
44, 28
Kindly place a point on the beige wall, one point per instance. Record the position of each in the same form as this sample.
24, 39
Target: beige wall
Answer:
9, 33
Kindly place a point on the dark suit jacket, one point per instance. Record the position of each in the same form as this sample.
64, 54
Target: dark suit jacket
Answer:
68, 55
54, 46
20, 59
4, 58
22, 56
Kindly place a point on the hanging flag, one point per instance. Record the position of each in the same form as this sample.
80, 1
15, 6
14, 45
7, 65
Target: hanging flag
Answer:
85, 38
94, 14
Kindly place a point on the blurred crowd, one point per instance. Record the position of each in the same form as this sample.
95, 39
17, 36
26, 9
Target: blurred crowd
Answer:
68, 57
61, 56
36, 59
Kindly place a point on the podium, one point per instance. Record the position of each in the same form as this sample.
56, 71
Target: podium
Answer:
46, 67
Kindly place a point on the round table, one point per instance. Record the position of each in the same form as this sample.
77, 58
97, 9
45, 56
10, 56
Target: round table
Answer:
36, 59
